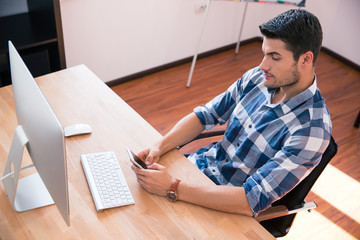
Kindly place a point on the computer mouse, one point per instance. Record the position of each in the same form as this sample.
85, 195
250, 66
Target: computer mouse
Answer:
77, 129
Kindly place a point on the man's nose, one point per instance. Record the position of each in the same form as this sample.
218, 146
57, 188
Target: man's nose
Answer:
264, 65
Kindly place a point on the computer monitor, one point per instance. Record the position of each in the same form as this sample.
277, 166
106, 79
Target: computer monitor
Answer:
42, 134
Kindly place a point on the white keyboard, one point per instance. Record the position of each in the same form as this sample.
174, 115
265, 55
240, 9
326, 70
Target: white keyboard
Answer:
106, 180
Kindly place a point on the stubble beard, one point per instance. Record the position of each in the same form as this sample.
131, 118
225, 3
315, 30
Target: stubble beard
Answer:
287, 81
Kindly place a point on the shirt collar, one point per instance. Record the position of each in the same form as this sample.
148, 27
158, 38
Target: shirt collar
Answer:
293, 102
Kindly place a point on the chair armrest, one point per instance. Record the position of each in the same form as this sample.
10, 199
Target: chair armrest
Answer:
281, 210
211, 133
217, 131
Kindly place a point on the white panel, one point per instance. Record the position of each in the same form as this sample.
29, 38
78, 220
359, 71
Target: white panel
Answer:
12, 7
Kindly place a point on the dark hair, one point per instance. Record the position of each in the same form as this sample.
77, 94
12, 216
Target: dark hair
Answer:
298, 29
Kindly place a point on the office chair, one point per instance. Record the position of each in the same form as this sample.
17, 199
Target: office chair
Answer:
279, 217
357, 121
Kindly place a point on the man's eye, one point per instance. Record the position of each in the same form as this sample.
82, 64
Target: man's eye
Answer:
275, 58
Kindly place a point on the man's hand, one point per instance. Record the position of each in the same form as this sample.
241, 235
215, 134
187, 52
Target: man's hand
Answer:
184, 131
149, 155
155, 179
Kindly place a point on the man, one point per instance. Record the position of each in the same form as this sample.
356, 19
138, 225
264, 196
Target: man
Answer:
278, 127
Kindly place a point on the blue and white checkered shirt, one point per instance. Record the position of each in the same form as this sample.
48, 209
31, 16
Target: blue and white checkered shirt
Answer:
267, 148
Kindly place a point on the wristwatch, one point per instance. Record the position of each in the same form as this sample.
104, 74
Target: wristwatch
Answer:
171, 193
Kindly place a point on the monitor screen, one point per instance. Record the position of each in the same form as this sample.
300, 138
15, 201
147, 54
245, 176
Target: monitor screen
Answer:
44, 133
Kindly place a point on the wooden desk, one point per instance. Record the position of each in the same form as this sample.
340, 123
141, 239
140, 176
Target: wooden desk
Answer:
78, 96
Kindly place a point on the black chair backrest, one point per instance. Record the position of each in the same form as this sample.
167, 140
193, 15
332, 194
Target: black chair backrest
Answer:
279, 227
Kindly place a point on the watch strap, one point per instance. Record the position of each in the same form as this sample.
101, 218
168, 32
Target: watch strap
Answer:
175, 185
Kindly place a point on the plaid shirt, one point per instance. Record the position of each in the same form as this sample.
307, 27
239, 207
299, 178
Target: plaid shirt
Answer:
267, 148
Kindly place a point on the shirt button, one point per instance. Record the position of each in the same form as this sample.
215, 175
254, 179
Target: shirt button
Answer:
213, 170
250, 126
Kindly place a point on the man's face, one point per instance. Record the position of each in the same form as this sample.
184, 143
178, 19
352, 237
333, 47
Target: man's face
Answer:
278, 64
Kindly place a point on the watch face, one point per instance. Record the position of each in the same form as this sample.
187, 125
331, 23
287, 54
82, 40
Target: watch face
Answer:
171, 196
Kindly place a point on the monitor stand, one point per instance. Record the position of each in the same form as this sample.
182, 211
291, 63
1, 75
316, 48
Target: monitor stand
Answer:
29, 192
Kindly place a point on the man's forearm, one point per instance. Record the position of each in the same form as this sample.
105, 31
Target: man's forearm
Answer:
223, 198
184, 131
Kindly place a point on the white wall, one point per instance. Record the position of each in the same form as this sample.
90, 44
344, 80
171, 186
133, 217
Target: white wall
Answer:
340, 22
116, 38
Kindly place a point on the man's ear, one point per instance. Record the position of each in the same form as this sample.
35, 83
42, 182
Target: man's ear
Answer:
307, 58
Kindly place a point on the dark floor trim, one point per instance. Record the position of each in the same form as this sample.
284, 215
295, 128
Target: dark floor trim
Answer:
179, 62
212, 52
341, 58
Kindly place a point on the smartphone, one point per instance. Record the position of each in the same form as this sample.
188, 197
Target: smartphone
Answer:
136, 160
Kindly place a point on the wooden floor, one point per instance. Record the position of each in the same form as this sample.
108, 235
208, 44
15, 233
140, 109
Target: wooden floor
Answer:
162, 99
